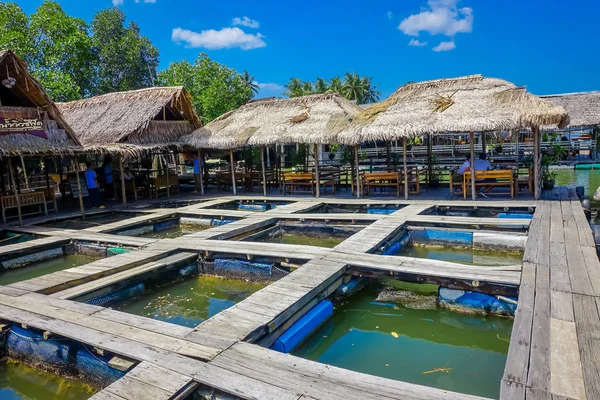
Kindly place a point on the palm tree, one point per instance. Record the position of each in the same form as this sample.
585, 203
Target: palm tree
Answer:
352, 88
250, 83
370, 93
307, 88
294, 88
335, 85
321, 85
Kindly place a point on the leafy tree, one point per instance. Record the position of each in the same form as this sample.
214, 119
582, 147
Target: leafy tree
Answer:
335, 85
370, 94
353, 87
126, 59
215, 88
321, 85
250, 83
14, 30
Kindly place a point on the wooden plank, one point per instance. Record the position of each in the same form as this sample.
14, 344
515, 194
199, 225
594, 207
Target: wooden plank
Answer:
561, 305
539, 359
160, 377
132, 389
105, 395
566, 376
587, 323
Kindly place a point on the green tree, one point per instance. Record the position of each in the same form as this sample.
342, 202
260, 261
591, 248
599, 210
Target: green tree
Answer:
321, 86
293, 88
370, 94
14, 30
215, 88
126, 59
250, 83
352, 88
335, 85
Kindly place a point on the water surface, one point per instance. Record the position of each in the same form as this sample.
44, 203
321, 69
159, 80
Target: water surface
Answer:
175, 232
466, 256
303, 239
36, 269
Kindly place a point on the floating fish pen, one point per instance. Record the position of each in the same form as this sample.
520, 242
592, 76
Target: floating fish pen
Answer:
8, 237
39, 365
408, 332
311, 233
459, 246
17, 267
330, 208
187, 288
91, 220
171, 204
251, 205
481, 212
173, 227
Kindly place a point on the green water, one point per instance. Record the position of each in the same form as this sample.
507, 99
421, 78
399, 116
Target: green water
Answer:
44, 267
18, 381
192, 301
176, 231
92, 220
304, 239
359, 337
462, 256
7, 238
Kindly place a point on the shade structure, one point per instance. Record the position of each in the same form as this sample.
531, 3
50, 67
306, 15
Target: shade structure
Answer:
141, 119
314, 119
31, 123
458, 105
583, 108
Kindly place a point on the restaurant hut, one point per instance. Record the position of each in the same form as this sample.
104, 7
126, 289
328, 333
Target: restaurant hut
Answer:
457, 105
30, 125
313, 119
132, 122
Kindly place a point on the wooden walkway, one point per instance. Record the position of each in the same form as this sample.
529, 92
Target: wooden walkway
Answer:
555, 345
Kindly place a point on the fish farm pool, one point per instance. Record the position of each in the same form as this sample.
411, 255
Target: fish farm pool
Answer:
172, 228
250, 205
353, 209
388, 331
92, 220
481, 212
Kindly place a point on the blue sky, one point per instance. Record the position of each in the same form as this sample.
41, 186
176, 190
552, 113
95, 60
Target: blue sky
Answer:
549, 46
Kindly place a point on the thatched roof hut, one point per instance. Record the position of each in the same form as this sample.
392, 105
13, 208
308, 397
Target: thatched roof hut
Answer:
314, 119
583, 108
136, 119
30, 123
458, 105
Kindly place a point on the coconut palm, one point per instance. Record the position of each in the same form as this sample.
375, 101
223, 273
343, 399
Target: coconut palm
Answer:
370, 93
250, 83
352, 88
335, 85
320, 86
307, 88
294, 88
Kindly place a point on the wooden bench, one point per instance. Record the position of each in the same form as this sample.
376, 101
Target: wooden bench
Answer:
503, 177
161, 182
372, 180
294, 180
455, 183
25, 199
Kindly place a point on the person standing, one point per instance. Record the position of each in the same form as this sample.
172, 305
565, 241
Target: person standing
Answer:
197, 172
92, 183
109, 186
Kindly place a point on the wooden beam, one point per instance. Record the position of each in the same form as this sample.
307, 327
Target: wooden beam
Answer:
472, 144
317, 176
232, 171
81, 207
405, 168
201, 162
536, 162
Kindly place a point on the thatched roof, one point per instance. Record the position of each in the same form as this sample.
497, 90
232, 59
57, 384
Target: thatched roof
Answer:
134, 118
308, 119
583, 108
28, 100
459, 105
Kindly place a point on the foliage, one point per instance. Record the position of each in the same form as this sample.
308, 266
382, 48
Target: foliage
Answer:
353, 87
14, 30
554, 155
215, 88
250, 83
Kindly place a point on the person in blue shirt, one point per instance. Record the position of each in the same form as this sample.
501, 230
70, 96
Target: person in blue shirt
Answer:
109, 187
197, 172
92, 183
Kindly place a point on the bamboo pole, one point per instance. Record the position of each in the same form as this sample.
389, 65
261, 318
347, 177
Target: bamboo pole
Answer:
167, 173
14, 186
356, 147
123, 191
264, 174
536, 162
201, 162
317, 176
405, 168
232, 171
81, 207
24, 172
472, 168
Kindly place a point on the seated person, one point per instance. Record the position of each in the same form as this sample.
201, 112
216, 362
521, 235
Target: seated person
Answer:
482, 164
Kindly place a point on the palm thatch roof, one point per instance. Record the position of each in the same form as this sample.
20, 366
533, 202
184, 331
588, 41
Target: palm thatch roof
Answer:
144, 118
459, 105
583, 108
308, 119
27, 102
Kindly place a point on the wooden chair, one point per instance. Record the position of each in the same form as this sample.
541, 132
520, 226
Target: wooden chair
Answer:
524, 181
414, 180
503, 177
372, 180
294, 180
26, 199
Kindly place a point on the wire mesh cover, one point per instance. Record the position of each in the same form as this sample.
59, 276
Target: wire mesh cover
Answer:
118, 296
33, 257
94, 368
242, 269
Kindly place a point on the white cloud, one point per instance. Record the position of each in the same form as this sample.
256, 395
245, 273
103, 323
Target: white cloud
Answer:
390, 15
445, 46
245, 21
225, 38
441, 17
145, 1
268, 89
117, 3
417, 43
269, 86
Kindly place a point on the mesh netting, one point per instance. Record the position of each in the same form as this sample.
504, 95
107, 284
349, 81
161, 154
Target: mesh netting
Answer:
95, 369
33, 257
30, 347
233, 268
118, 296
87, 249
139, 231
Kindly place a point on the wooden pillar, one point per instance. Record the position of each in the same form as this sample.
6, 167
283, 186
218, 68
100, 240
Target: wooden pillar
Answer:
405, 168
17, 199
232, 172
46, 172
24, 172
536, 162
472, 168
81, 207
356, 147
2, 170
168, 178
201, 162
264, 174
483, 143
123, 191
317, 175
429, 159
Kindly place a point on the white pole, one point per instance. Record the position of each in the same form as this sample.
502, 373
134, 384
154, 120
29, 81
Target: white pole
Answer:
472, 142
232, 171
405, 169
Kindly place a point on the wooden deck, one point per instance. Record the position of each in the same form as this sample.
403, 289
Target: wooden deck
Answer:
554, 351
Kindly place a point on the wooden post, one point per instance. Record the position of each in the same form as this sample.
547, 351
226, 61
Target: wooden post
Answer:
472, 168
232, 172
483, 143
405, 168
167, 173
123, 191
317, 176
46, 172
356, 147
536, 162
201, 162
429, 159
17, 199
24, 172
81, 207
264, 174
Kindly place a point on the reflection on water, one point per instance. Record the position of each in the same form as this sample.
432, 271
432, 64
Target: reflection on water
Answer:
470, 350
44, 267
304, 239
